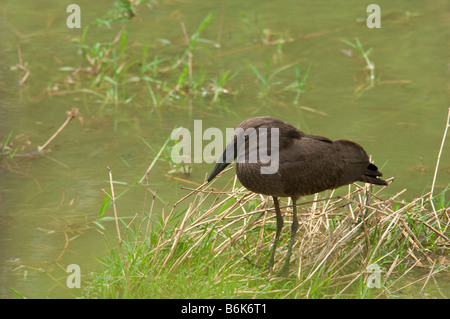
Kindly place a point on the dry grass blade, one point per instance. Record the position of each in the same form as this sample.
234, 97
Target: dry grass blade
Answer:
70, 116
227, 233
437, 165
326, 231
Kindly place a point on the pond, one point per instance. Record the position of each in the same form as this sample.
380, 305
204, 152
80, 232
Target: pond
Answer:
174, 63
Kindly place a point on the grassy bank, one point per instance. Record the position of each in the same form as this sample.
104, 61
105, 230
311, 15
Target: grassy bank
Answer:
218, 246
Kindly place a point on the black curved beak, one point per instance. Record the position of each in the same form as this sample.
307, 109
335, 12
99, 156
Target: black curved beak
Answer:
228, 157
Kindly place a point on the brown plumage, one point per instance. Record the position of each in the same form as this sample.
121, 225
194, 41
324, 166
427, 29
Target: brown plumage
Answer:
306, 164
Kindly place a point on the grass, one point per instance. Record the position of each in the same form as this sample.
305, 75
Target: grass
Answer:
267, 78
218, 245
117, 69
111, 66
7, 150
299, 86
370, 66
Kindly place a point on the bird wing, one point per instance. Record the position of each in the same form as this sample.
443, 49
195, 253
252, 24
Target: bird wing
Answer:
313, 164
309, 165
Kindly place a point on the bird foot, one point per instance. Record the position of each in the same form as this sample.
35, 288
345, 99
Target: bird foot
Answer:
284, 272
268, 266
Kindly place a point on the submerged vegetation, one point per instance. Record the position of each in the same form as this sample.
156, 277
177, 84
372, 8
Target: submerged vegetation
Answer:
112, 65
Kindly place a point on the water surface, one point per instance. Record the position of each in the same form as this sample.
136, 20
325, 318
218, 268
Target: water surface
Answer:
47, 202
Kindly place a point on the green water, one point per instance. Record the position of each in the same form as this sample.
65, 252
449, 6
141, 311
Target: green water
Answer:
399, 122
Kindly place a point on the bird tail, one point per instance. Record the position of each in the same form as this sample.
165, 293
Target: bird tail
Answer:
355, 156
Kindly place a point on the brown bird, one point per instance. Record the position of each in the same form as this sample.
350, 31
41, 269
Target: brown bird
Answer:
276, 159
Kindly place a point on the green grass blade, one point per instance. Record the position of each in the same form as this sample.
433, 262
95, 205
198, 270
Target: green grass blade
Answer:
17, 293
200, 28
105, 205
260, 77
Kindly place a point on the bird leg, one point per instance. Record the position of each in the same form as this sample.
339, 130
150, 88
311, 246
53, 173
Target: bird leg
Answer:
277, 234
285, 270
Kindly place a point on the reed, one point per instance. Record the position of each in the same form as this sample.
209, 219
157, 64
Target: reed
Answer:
217, 247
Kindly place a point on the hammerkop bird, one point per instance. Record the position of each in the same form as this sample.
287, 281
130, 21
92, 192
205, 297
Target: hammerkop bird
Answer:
301, 165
